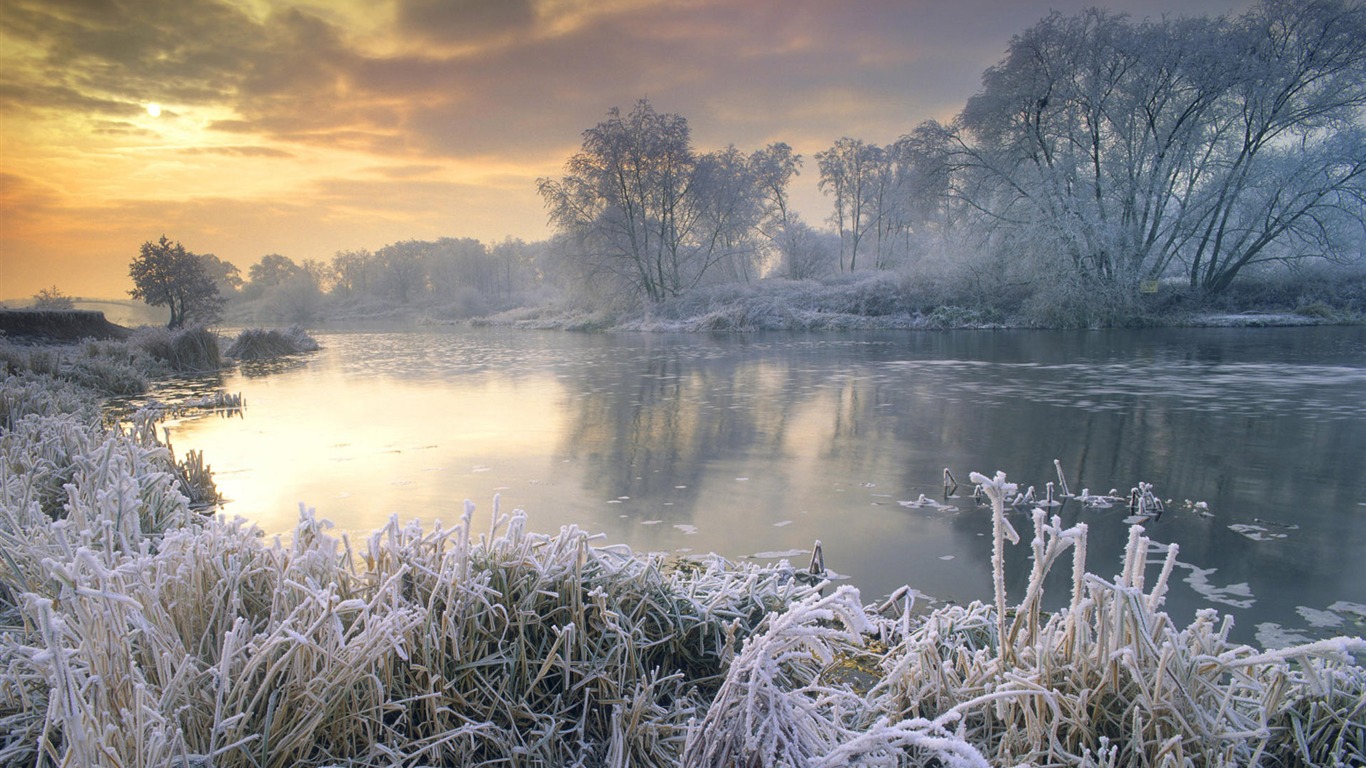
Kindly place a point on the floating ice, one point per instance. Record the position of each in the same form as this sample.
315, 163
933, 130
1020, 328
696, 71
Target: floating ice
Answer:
1271, 635
1256, 532
782, 523
1237, 595
1319, 618
1342, 606
779, 554
688, 530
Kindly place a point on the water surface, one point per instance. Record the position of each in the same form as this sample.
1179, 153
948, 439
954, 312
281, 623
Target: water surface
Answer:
758, 445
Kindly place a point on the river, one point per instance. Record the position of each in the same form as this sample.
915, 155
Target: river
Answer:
756, 446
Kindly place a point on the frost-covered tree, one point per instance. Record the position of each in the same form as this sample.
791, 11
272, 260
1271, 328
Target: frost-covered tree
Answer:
1120, 151
847, 173
402, 269
166, 275
224, 274
352, 272
271, 271
646, 213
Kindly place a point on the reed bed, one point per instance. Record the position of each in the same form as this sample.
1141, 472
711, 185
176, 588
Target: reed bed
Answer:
137, 632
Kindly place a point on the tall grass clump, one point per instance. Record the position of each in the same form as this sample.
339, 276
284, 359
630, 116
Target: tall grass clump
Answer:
261, 344
185, 350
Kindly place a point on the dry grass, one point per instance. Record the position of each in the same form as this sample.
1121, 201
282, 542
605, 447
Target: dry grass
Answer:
261, 344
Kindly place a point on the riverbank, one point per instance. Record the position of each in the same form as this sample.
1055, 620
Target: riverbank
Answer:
164, 637
53, 326
887, 301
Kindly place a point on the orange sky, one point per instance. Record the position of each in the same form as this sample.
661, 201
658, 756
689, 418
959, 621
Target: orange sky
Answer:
304, 127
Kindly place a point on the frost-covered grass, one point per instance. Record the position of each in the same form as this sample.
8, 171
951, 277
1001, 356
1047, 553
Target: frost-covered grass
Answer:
135, 631
262, 344
188, 350
937, 297
122, 367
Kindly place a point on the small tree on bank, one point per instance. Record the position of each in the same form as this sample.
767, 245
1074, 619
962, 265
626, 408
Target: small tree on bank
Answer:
52, 298
166, 275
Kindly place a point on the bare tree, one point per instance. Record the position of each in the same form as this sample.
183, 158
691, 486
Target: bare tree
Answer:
1209, 144
848, 174
52, 298
646, 213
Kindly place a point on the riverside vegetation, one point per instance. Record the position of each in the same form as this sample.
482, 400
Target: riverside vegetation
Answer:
136, 630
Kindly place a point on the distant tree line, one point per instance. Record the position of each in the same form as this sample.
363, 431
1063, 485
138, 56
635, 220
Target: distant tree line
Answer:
459, 277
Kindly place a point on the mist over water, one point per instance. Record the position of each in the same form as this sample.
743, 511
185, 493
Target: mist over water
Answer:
758, 445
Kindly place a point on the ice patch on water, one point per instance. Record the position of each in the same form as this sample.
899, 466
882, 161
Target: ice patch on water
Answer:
780, 554
651, 522
782, 523
688, 530
1256, 532
1237, 595
1272, 636
1342, 606
946, 557
1318, 618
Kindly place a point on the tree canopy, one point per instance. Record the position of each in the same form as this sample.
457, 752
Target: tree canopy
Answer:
166, 275
649, 213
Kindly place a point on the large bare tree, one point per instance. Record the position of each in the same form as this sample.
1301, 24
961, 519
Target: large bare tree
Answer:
1199, 146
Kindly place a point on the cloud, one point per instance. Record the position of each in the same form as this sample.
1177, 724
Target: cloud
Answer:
237, 151
463, 20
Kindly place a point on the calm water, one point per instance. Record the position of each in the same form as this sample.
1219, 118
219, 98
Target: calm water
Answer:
756, 446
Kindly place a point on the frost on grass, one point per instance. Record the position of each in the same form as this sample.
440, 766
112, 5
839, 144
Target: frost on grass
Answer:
262, 344
134, 631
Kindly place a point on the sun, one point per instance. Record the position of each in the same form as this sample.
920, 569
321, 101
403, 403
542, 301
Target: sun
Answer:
154, 109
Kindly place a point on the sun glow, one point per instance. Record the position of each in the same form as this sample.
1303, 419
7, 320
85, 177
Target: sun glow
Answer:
154, 109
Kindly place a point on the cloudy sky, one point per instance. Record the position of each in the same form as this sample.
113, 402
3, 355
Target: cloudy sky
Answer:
304, 127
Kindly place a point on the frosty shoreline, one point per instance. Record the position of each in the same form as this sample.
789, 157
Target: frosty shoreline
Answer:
134, 630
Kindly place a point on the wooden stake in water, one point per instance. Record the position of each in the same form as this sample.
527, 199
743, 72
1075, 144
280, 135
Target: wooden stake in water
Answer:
1062, 479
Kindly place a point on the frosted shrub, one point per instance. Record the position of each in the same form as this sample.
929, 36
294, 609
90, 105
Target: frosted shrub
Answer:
186, 350
261, 344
